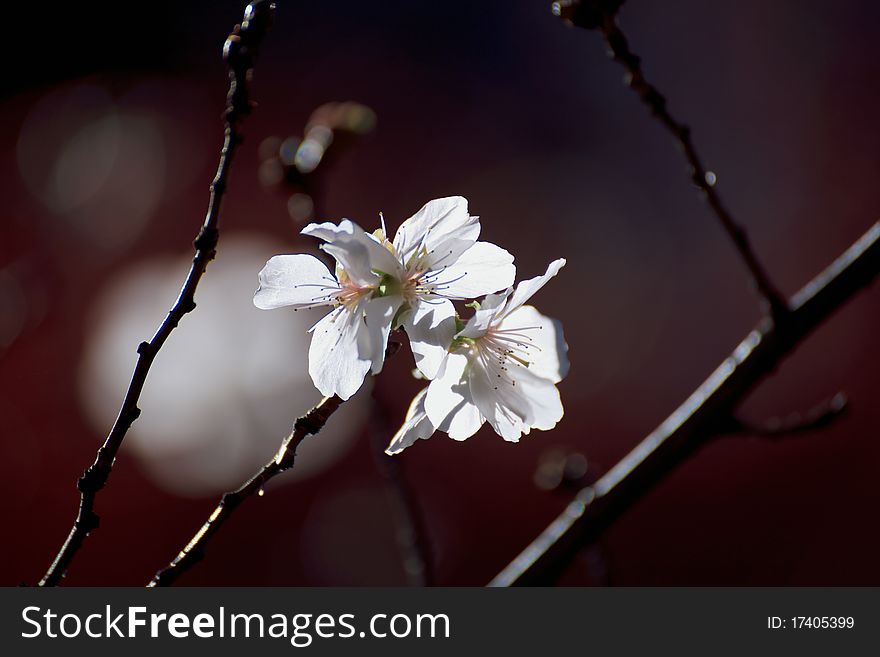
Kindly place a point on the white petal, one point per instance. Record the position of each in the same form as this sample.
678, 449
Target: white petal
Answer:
357, 252
544, 400
482, 319
441, 250
479, 323
354, 260
445, 391
417, 425
482, 269
448, 402
545, 347
441, 231
527, 288
501, 407
335, 362
378, 314
381, 259
430, 327
516, 401
463, 421
299, 280
495, 301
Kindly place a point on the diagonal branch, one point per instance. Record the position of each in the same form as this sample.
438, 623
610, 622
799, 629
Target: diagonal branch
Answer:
601, 15
307, 425
697, 420
240, 52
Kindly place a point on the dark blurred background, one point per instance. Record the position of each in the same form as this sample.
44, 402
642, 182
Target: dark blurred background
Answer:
111, 127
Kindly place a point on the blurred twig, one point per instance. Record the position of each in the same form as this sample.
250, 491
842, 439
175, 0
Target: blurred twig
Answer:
412, 531
307, 425
239, 51
297, 166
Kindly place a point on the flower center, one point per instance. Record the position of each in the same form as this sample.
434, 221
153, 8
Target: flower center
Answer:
500, 351
413, 287
351, 293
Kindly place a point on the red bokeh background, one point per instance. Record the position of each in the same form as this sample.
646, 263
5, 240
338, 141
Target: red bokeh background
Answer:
499, 102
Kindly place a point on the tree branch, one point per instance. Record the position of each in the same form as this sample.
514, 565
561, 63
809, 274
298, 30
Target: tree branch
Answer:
239, 51
697, 420
601, 15
307, 425
412, 530
412, 537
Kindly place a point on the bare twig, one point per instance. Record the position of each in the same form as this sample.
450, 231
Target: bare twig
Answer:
412, 531
307, 425
697, 420
601, 15
240, 52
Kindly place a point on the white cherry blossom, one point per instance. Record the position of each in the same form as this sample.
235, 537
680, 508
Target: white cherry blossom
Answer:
410, 282
502, 368
350, 340
438, 260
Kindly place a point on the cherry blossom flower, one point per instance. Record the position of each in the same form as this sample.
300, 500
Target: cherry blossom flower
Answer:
438, 260
501, 368
410, 282
350, 340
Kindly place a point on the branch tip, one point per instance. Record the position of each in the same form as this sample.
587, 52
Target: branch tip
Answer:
601, 15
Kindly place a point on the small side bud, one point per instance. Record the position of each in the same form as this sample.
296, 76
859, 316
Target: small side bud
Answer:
232, 49
258, 16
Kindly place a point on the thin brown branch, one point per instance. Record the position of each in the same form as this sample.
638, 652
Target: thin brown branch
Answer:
602, 15
412, 530
240, 53
696, 421
307, 425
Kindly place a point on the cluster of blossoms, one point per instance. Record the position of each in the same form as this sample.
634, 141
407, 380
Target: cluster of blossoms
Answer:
499, 366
